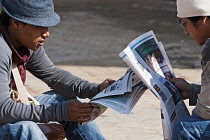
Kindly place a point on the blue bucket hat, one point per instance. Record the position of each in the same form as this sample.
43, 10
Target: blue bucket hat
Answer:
33, 12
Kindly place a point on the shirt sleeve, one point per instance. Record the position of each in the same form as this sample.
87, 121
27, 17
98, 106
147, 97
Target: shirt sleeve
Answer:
62, 82
11, 111
202, 108
193, 95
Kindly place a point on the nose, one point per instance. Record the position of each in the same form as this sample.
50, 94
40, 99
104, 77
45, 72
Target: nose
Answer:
186, 31
46, 32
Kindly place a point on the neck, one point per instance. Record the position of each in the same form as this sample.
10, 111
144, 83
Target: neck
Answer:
12, 34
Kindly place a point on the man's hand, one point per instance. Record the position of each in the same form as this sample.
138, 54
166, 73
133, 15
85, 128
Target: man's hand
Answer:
182, 85
79, 112
105, 84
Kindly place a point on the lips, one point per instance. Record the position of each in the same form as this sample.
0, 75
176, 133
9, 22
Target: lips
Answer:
41, 43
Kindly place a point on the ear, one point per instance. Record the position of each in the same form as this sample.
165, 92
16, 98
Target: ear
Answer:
203, 20
15, 23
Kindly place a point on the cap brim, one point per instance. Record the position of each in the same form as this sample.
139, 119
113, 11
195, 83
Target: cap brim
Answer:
48, 21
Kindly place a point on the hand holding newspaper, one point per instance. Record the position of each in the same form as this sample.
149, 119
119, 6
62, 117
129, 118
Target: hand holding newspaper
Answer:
121, 96
149, 67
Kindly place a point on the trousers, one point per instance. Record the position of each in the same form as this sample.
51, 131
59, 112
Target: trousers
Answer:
192, 128
28, 130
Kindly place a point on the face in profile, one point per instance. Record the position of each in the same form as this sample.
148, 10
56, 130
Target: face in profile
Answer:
30, 36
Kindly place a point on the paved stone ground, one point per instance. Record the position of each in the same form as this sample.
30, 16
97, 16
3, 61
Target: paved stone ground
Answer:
143, 122
101, 29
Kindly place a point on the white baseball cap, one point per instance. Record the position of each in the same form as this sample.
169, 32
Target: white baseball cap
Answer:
192, 8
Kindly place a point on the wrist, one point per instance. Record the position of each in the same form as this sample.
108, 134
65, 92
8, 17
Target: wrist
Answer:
194, 90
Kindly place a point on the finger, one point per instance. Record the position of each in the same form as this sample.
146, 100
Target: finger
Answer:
84, 115
74, 102
76, 115
83, 119
84, 105
108, 81
172, 80
111, 81
95, 113
84, 110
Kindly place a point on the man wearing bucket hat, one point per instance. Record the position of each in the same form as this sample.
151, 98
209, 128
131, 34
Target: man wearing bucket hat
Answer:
194, 16
23, 31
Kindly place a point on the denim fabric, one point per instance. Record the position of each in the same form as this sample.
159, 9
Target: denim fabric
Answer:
23, 130
28, 130
89, 131
192, 128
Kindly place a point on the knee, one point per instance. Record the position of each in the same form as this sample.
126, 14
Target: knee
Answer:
26, 130
27, 125
177, 129
180, 129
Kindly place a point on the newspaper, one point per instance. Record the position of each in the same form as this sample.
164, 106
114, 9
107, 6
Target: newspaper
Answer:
122, 101
147, 58
121, 96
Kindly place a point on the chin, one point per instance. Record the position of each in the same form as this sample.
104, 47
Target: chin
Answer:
36, 48
200, 43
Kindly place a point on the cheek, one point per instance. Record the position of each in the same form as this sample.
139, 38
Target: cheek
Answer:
194, 33
200, 39
31, 38
29, 42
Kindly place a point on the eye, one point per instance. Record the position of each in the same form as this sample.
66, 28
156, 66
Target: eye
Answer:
183, 23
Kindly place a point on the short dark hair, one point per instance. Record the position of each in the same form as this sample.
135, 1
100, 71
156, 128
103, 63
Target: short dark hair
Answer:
197, 18
5, 19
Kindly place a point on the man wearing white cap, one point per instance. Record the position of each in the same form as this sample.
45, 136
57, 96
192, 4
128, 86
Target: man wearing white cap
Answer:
24, 27
194, 16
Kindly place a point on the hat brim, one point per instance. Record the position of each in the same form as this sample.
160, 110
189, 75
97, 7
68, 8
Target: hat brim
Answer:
47, 21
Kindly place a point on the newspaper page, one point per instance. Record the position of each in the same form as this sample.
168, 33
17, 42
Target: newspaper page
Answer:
147, 58
121, 96
121, 86
123, 101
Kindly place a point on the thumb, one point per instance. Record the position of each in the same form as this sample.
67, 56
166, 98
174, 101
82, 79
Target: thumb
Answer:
110, 81
172, 80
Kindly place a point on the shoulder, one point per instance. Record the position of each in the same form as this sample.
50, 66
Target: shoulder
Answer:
5, 51
4, 47
5, 55
205, 53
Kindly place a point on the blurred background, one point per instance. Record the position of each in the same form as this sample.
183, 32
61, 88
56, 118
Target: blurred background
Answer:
94, 32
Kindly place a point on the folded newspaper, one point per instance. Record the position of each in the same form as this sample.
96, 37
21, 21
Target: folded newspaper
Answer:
121, 96
148, 68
